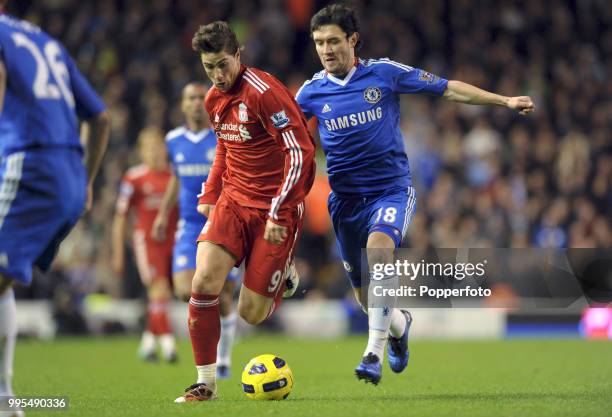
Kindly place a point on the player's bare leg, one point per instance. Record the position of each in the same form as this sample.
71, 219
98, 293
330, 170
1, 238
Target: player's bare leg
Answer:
8, 335
160, 294
213, 263
228, 329
182, 284
380, 319
254, 308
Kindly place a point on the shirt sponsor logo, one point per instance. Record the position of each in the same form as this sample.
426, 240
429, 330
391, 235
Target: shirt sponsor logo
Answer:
244, 133
372, 95
280, 119
241, 135
193, 170
354, 119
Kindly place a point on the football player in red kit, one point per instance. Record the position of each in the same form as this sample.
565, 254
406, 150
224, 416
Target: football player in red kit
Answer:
142, 188
253, 198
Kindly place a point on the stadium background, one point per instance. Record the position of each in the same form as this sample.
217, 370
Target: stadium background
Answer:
485, 176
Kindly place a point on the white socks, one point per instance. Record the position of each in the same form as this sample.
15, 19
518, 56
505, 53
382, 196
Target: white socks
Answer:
379, 320
147, 343
8, 334
380, 317
398, 323
207, 374
226, 341
168, 345
377, 336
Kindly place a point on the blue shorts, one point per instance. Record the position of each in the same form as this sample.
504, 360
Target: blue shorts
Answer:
42, 196
186, 247
354, 218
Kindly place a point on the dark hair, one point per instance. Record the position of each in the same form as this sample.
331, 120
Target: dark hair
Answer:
215, 37
337, 14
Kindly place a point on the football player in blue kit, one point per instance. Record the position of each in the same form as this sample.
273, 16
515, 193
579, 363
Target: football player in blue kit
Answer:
356, 102
45, 187
191, 149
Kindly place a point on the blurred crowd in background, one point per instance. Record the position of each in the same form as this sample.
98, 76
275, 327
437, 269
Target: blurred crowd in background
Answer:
485, 177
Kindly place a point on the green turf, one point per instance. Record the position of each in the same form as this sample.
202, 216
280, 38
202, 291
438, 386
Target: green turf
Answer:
102, 377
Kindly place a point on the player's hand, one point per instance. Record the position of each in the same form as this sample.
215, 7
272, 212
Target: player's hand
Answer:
89, 200
522, 104
158, 230
275, 233
205, 209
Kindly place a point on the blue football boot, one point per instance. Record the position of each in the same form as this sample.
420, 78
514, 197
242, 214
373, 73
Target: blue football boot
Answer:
397, 347
370, 369
223, 372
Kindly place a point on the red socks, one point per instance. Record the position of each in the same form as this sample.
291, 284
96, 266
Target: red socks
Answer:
204, 327
158, 319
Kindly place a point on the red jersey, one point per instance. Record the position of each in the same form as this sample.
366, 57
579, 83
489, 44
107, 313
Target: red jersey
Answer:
142, 190
265, 153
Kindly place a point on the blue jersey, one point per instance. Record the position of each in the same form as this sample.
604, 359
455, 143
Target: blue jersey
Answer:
191, 154
45, 92
359, 123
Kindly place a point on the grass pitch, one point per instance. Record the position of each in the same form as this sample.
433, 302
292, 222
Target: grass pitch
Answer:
102, 377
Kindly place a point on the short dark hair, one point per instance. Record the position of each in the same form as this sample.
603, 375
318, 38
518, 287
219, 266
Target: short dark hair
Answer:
215, 37
337, 14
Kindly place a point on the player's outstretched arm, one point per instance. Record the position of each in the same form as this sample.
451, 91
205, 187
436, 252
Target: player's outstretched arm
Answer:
118, 243
95, 132
2, 85
211, 189
466, 93
160, 224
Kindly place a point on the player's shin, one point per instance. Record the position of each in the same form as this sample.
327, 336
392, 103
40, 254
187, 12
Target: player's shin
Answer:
380, 313
8, 334
204, 331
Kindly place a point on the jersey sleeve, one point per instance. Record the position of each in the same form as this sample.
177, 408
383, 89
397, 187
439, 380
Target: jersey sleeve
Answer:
126, 195
211, 188
301, 97
88, 103
404, 79
284, 121
170, 148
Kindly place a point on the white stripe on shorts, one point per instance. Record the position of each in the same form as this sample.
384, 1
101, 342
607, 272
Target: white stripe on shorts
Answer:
10, 183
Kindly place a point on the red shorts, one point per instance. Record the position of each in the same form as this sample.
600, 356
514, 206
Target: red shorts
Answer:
240, 230
153, 259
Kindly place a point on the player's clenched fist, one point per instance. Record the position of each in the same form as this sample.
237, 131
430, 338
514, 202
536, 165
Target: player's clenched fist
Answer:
522, 104
275, 233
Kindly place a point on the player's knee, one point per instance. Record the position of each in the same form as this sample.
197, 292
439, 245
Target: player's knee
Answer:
206, 281
159, 290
